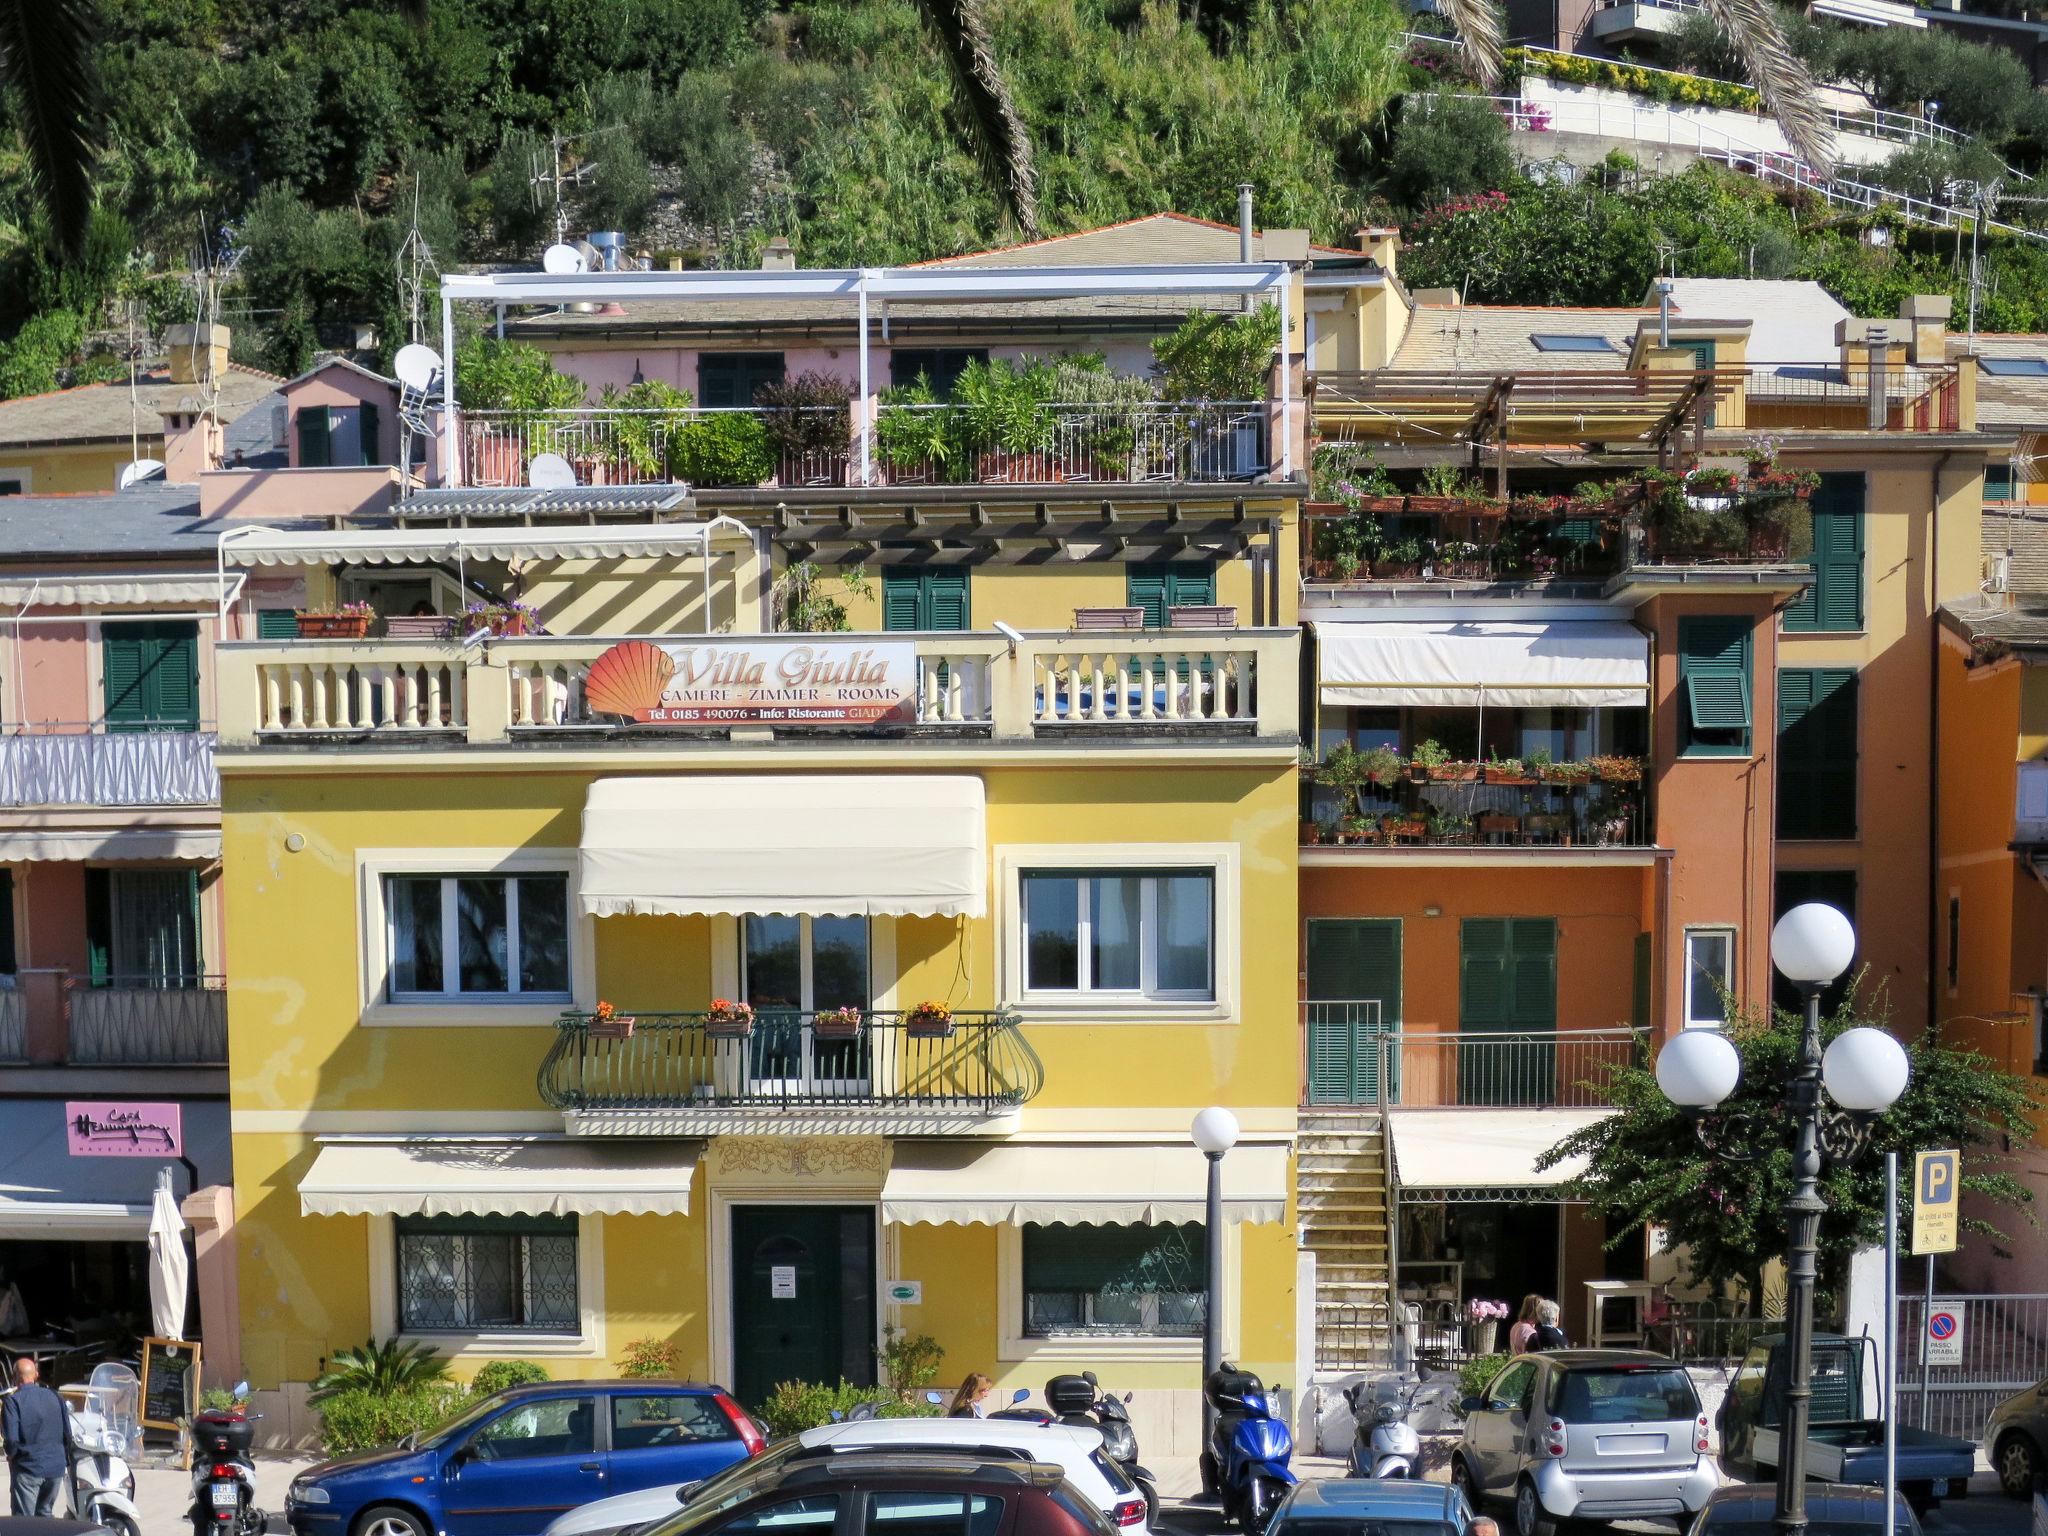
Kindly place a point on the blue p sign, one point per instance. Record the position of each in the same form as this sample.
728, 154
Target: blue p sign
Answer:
1937, 1184
1937, 1178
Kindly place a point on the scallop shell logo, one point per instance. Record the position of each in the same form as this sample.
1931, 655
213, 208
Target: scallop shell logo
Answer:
628, 679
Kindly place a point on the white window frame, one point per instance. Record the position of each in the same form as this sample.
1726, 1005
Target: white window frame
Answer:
373, 928
806, 984
587, 1341
450, 990
1218, 860
1148, 937
1727, 933
1013, 1344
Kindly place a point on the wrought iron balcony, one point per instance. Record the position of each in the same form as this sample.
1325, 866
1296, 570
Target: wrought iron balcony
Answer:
795, 1061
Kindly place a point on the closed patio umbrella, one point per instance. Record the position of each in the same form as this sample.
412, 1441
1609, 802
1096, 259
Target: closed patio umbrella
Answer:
167, 1263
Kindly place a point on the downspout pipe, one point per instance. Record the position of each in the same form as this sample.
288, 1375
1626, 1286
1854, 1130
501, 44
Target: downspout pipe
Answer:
1934, 902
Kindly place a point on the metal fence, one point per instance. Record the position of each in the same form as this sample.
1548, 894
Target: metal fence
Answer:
1423, 1068
2004, 1349
175, 1022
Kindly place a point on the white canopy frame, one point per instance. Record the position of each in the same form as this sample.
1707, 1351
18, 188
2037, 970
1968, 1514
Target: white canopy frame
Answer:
931, 285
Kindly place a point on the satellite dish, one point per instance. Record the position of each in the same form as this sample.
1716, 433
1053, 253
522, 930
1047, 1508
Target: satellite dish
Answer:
417, 366
138, 471
550, 472
562, 259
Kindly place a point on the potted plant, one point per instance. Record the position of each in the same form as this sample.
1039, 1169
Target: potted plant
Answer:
1455, 772
732, 1020
1450, 829
1508, 770
345, 621
607, 1023
1482, 1322
1006, 411
930, 1019
1499, 824
1342, 770
1404, 829
809, 427
1567, 773
419, 626
836, 1023
1616, 769
918, 436
507, 619
1380, 765
1426, 759
1326, 832
1356, 828
1546, 826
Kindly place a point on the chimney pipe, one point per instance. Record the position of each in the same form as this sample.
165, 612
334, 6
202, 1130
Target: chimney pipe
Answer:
1244, 221
1663, 311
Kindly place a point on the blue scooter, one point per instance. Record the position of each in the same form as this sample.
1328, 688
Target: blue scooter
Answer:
1246, 1463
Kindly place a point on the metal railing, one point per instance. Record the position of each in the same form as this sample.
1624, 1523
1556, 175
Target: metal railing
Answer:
1488, 810
1463, 547
83, 765
1425, 1068
144, 1021
982, 1064
2004, 1348
934, 443
13, 1025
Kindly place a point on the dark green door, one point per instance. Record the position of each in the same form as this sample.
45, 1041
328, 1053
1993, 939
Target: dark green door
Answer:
803, 1296
1507, 1010
1354, 1003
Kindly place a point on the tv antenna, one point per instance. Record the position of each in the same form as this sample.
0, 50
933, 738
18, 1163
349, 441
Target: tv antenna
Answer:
417, 270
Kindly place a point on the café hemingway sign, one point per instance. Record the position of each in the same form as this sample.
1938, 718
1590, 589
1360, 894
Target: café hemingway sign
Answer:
127, 1129
747, 682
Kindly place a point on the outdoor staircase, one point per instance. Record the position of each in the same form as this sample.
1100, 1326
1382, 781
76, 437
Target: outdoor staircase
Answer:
1341, 1193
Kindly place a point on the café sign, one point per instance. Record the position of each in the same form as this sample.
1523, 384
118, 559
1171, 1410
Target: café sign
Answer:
814, 681
125, 1129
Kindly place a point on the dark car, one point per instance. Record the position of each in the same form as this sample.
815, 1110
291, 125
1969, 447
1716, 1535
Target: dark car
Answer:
1746, 1509
1368, 1506
49, 1525
886, 1493
2017, 1434
509, 1465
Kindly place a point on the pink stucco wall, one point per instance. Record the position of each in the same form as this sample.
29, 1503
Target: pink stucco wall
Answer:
266, 495
677, 366
336, 385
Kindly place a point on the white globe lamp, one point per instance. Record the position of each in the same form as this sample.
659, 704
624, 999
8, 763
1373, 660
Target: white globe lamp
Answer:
1812, 944
1698, 1068
1865, 1070
1214, 1130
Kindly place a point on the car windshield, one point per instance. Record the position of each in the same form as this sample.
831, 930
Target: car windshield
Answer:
741, 1480
1623, 1395
453, 1429
1361, 1525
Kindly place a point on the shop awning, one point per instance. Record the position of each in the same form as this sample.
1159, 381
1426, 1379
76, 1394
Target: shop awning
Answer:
1444, 1149
936, 1183
1568, 664
183, 844
536, 1177
907, 844
253, 546
47, 1193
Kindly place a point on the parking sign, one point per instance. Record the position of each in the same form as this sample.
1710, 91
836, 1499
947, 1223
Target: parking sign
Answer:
1945, 1336
1937, 1186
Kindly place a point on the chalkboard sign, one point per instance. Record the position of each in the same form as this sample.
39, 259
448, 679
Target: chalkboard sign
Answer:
170, 1382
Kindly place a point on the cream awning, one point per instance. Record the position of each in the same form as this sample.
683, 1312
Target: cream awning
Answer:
183, 844
904, 844
1568, 664
1484, 1148
253, 546
107, 588
935, 1183
538, 1177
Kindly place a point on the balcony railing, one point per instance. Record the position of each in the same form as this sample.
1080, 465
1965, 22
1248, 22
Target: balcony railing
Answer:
683, 1061
144, 1022
1238, 681
1426, 1069
13, 1026
1490, 809
75, 765
925, 444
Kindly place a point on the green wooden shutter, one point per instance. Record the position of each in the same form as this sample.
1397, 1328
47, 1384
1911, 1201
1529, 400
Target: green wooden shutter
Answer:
151, 676
368, 424
121, 671
1713, 675
1482, 967
1532, 973
313, 440
727, 379
176, 671
1702, 357
1507, 987
945, 599
277, 624
1353, 963
1817, 752
1159, 586
1145, 588
1998, 481
1835, 600
902, 600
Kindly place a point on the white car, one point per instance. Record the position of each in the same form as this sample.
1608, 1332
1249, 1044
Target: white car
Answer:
1075, 1449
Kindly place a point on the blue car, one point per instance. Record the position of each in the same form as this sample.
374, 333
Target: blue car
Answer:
1357, 1506
512, 1463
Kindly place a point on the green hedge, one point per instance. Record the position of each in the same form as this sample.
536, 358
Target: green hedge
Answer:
498, 1375
1653, 84
361, 1419
796, 1406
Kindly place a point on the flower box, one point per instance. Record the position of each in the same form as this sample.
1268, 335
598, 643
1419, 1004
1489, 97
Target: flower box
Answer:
836, 1024
1566, 773
618, 1027
1508, 775
928, 1021
1499, 826
1410, 829
1455, 773
420, 626
728, 1019
333, 626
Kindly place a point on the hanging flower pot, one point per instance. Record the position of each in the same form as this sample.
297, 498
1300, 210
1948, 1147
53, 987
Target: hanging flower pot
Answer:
607, 1023
928, 1020
350, 621
836, 1024
728, 1019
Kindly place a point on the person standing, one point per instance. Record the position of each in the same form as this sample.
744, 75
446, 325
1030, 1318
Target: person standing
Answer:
1549, 1332
971, 1401
37, 1434
1525, 1324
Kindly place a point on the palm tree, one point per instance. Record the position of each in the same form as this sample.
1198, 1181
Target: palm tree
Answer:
49, 79
999, 135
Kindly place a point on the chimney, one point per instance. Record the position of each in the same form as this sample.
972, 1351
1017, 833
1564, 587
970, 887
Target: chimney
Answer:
198, 352
193, 444
778, 256
1926, 316
1382, 242
1664, 287
1244, 221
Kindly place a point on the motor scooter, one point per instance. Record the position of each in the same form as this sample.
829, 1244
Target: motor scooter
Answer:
1246, 1463
102, 1486
1385, 1444
223, 1473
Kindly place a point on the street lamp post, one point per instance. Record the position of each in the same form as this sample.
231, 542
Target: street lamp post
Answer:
1215, 1133
1863, 1072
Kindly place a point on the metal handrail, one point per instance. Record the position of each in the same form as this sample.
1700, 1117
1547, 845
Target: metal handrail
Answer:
1415, 1067
785, 1059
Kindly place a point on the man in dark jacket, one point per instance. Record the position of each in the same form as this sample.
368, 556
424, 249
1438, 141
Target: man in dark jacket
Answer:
38, 1438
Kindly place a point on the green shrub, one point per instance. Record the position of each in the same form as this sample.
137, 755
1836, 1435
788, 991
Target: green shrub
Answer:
493, 375
649, 1358
501, 1375
1445, 146
729, 448
362, 1418
795, 1406
910, 1361
1475, 1373
385, 1367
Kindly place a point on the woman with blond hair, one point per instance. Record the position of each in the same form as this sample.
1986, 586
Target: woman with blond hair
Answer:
1525, 1324
971, 1401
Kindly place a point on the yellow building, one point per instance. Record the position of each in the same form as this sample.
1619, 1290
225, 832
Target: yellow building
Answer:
679, 974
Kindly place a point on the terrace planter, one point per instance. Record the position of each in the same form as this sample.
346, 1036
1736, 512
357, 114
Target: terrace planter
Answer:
1500, 827
1547, 827
1567, 774
1396, 570
840, 1024
729, 1024
1509, 776
618, 1027
419, 626
1455, 773
928, 1023
1433, 506
1412, 829
333, 626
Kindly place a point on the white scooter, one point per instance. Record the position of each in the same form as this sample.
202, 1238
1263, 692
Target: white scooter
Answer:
102, 1486
1386, 1444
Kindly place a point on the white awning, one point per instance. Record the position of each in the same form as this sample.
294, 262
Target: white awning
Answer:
935, 1183
1569, 664
108, 588
452, 1177
1484, 1148
904, 844
404, 546
26, 845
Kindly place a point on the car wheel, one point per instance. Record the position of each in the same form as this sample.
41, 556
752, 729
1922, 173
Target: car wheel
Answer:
1530, 1518
1465, 1483
390, 1520
2017, 1461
